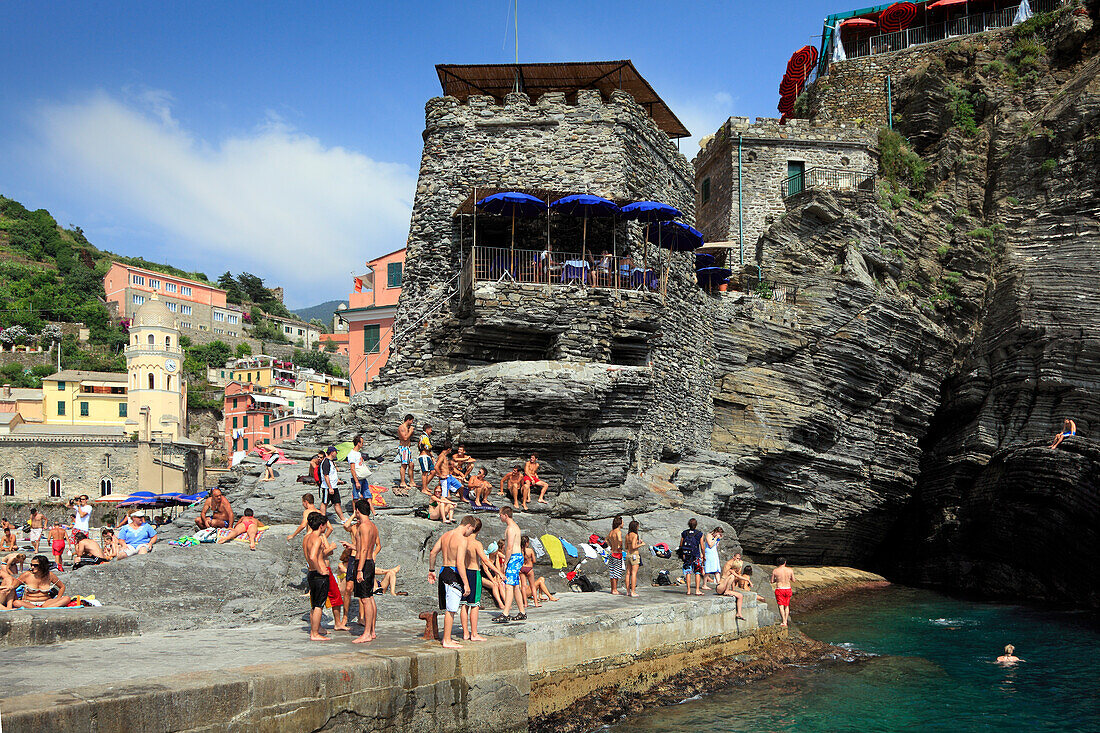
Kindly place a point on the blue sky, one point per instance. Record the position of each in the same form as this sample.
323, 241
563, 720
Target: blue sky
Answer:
242, 135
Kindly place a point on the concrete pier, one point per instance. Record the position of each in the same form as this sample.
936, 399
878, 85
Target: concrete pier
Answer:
273, 678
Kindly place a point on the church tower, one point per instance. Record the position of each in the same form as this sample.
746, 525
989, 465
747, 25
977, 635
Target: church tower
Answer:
156, 396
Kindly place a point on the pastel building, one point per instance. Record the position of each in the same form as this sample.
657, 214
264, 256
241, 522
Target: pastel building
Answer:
197, 306
369, 317
256, 416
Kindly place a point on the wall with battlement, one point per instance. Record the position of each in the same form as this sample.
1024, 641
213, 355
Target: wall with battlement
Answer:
766, 149
609, 148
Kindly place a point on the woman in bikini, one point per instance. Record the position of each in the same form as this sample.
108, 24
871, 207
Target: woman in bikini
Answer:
632, 545
38, 583
10, 569
247, 526
440, 509
532, 586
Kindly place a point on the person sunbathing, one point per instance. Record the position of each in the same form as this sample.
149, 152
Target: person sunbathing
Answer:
440, 509
387, 579
41, 587
10, 569
514, 481
87, 551
10, 543
247, 526
1069, 429
480, 490
462, 463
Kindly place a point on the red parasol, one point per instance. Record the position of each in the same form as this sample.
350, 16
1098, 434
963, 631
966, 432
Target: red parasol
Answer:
863, 22
897, 16
802, 60
786, 104
947, 3
789, 86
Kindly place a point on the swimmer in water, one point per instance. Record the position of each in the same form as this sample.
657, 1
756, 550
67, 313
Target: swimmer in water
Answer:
1008, 657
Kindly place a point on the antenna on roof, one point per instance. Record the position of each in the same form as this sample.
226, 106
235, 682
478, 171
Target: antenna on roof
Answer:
515, 15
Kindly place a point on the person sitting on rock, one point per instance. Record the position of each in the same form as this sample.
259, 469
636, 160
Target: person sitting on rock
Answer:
221, 514
10, 542
135, 538
462, 463
41, 587
10, 569
247, 526
531, 479
87, 551
480, 489
441, 508
1069, 428
514, 481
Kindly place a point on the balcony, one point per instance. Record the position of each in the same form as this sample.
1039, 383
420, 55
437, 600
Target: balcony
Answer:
542, 267
925, 32
830, 179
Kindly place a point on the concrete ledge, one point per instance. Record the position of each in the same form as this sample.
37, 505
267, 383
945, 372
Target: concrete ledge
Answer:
35, 627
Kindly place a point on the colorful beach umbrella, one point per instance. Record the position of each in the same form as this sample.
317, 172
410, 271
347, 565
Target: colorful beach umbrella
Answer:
897, 17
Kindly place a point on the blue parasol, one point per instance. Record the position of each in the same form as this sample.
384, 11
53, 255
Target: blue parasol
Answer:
678, 237
703, 259
512, 203
586, 205
712, 275
649, 212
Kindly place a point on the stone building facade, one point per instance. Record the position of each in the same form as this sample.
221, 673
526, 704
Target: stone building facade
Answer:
609, 147
768, 153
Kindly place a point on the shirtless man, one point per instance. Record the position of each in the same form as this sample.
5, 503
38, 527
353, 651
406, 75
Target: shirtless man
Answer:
462, 463
451, 485
38, 526
615, 546
404, 451
317, 550
728, 577
783, 581
361, 569
514, 480
512, 537
480, 489
221, 514
87, 551
425, 461
531, 478
37, 584
453, 582
477, 562
1009, 657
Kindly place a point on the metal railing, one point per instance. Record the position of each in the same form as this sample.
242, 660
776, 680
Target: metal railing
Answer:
962, 26
832, 179
564, 268
755, 287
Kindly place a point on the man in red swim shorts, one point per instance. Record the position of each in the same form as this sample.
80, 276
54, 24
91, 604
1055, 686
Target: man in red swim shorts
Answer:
783, 581
531, 478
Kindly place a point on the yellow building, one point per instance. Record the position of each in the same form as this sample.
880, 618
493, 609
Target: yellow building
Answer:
323, 386
92, 399
157, 395
264, 370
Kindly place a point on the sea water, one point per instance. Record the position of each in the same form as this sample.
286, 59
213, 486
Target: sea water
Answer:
933, 670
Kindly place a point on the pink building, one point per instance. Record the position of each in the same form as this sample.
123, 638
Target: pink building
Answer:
196, 305
370, 313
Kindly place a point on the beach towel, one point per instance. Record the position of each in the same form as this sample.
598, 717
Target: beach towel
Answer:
537, 547
568, 548
485, 508
589, 551
554, 549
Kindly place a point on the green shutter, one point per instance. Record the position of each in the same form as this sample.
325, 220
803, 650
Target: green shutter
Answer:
60, 386
234, 423
122, 409
60, 408
84, 409
371, 339
393, 275
246, 421
246, 443
267, 421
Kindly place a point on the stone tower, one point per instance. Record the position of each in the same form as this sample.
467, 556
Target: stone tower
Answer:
156, 395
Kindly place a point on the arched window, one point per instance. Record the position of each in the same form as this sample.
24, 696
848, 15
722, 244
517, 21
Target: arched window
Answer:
134, 380
135, 340
152, 381
105, 487
38, 470
55, 486
9, 486
167, 342
152, 340
168, 383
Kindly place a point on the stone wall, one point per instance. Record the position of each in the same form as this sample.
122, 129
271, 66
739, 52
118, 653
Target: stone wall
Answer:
766, 147
606, 147
28, 359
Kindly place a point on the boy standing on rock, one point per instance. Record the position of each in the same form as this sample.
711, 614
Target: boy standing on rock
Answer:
361, 569
615, 547
316, 551
453, 583
512, 550
404, 451
471, 603
783, 580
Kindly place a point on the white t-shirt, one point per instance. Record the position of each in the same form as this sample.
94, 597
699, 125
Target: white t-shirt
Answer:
354, 457
83, 517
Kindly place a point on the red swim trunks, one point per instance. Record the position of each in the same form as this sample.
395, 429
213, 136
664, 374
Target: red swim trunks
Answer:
334, 597
58, 546
783, 596
531, 479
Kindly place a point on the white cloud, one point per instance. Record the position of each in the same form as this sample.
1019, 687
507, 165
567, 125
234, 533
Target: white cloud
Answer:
702, 115
274, 201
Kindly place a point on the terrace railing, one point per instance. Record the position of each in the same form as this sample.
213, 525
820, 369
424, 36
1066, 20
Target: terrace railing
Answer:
833, 179
755, 287
539, 267
962, 26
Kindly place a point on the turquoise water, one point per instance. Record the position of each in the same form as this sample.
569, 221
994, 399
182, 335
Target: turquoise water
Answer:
933, 672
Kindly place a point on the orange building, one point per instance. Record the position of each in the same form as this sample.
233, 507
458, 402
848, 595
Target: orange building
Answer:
370, 313
340, 339
255, 417
195, 305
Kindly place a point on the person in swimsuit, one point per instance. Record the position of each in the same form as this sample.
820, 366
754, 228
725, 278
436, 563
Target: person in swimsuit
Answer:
221, 514
462, 463
10, 543
496, 584
533, 587
309, 506
404, 453
38, 526
477, 565
269, 467
480, 489
633, 558
531, 478
451, 485
439, 508
367, 544
511, 570
109, 543
87, 551
514, 481
712, 563
453, 583
247, 526
10, 569
424, 459
615, 547
316, 551
1009, 657
1069, 428
387, 579
783, 582
41, 588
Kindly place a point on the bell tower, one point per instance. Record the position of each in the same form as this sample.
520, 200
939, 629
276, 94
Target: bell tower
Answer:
156, 396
